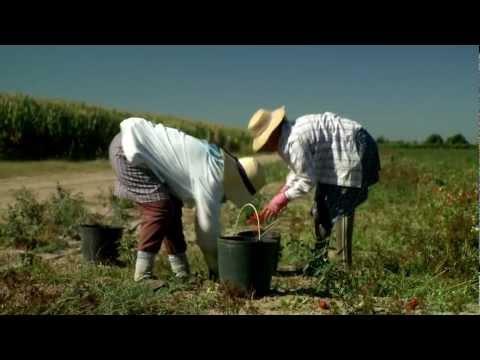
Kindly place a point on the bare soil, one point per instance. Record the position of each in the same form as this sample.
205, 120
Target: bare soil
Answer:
90, 184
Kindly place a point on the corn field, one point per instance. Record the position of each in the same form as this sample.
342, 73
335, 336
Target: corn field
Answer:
32, 128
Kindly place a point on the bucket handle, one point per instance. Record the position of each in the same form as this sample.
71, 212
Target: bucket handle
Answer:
256, 213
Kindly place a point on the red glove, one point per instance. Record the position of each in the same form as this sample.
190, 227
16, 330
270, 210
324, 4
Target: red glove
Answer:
252, 220
278, 203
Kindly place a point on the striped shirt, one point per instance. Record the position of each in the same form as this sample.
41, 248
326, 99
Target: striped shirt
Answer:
134, 183
320, 148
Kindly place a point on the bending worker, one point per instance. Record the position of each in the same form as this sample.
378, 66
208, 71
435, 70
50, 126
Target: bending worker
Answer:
335, 155
160, 169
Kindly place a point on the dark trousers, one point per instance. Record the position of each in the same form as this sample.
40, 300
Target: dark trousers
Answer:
322, 219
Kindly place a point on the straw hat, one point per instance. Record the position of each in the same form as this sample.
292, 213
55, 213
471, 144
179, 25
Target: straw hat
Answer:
242, 178
262, 125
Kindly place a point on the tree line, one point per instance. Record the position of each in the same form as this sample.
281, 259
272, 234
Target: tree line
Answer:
433, 141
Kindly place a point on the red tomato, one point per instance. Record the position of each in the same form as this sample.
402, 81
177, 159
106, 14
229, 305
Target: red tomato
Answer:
412, 304
324, 304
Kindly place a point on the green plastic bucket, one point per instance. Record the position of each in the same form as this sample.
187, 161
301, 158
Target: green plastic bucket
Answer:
100, 243
247, 263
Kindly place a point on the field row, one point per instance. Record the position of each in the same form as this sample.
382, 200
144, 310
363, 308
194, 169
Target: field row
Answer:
70, 130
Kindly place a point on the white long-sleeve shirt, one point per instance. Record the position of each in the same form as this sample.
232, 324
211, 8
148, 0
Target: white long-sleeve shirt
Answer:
320, 148
191, 168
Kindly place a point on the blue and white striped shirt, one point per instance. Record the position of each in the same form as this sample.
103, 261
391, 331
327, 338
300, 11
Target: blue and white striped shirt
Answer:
320, 148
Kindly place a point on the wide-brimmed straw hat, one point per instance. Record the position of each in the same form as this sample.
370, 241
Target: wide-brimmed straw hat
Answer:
242, 178
262, 124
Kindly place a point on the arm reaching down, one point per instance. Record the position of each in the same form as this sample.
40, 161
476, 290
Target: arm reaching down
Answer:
302, 185
291, 177
207, 230
298, 183
300, 179
275, 207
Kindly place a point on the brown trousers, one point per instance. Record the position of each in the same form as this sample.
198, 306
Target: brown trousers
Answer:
162, 223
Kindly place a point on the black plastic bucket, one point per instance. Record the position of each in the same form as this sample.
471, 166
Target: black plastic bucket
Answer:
100, 243
271, 235
247, 263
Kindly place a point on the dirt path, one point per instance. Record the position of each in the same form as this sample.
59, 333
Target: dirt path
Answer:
90, 184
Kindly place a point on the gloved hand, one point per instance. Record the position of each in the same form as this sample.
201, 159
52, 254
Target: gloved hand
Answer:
252, 220
276, 205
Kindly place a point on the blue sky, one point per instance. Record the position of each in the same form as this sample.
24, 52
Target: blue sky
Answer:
401, 92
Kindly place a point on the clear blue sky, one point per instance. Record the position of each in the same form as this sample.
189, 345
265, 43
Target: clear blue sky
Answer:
401, 92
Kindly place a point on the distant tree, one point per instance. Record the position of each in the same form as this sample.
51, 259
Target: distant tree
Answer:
434, 139
404, 144
457, 139
382, 140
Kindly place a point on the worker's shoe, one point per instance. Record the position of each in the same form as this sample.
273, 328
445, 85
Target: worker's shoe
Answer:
151, 281
179, 265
